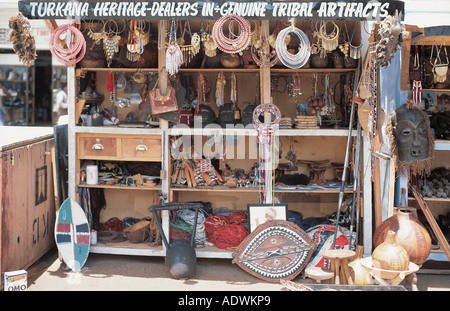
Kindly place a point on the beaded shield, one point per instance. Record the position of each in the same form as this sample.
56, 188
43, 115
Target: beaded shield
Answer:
276, 250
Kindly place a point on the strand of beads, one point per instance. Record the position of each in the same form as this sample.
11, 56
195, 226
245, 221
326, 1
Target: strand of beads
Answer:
74, 40
266, 132
227, 45
174, 56
289, 60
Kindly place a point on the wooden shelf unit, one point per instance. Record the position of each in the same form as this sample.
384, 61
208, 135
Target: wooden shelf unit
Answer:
262, 78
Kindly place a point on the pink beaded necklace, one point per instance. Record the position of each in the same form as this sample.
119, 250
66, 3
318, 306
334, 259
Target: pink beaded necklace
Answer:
68, 51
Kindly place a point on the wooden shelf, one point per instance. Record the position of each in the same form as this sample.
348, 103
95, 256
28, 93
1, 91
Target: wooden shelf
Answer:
15, 81
213, 70
82, 71
314, 189
312, 70
117, 130
145, 249
441, 144
121, 187
252, 132
432, 199
127, 248
436, 90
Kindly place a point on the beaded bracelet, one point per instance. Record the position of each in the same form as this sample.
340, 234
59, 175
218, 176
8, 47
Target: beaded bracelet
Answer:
289, 60
227, 45
68, 56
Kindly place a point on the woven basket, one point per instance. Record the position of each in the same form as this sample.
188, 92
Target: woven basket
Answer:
139, 232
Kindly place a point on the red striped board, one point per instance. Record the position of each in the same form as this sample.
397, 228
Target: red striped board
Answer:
276, 250
72, 234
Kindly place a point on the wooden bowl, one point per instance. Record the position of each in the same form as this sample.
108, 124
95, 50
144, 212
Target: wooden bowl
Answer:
139, 232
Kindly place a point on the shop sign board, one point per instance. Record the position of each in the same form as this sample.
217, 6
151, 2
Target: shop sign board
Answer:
364, 10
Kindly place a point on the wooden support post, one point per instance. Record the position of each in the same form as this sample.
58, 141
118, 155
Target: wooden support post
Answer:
51, 24
164, 124
72, 167
404, 70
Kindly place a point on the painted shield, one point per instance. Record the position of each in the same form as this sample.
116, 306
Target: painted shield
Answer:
276, 250
72, 234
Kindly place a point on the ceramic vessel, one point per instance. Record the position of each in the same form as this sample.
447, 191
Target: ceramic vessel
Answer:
390, 255
230, 60
359, 274
409, 233
318, 62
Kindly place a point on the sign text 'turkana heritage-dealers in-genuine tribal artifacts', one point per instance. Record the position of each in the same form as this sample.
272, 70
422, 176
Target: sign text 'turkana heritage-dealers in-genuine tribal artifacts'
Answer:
93, 9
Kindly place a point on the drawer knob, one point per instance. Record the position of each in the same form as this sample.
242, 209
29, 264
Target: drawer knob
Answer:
141, 148
97, 147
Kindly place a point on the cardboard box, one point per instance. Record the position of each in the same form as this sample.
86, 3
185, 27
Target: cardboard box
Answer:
15, 281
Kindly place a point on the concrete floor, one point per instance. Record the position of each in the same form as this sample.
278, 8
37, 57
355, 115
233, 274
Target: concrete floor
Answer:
134, 273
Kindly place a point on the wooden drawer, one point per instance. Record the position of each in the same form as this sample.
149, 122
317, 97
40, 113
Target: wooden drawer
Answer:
97, 147
144, 149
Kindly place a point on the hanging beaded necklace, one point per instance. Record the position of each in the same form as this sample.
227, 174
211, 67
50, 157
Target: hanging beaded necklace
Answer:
192, 49
208, 42
329, 41
266, 132
174, 56
111, 40
220, 89
261, 49
67, 44
231, 45
289, 60
355, 51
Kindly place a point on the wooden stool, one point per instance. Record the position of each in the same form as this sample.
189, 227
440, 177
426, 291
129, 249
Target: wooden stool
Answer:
317, 175
319, 274
339, 264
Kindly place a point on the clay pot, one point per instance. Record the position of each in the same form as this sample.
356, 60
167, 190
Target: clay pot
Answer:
350, 62
149, 58
318, 62
247, 59
390, 255
280, 64
212, 62
359, 274
409, 233
230, 60
338, 59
